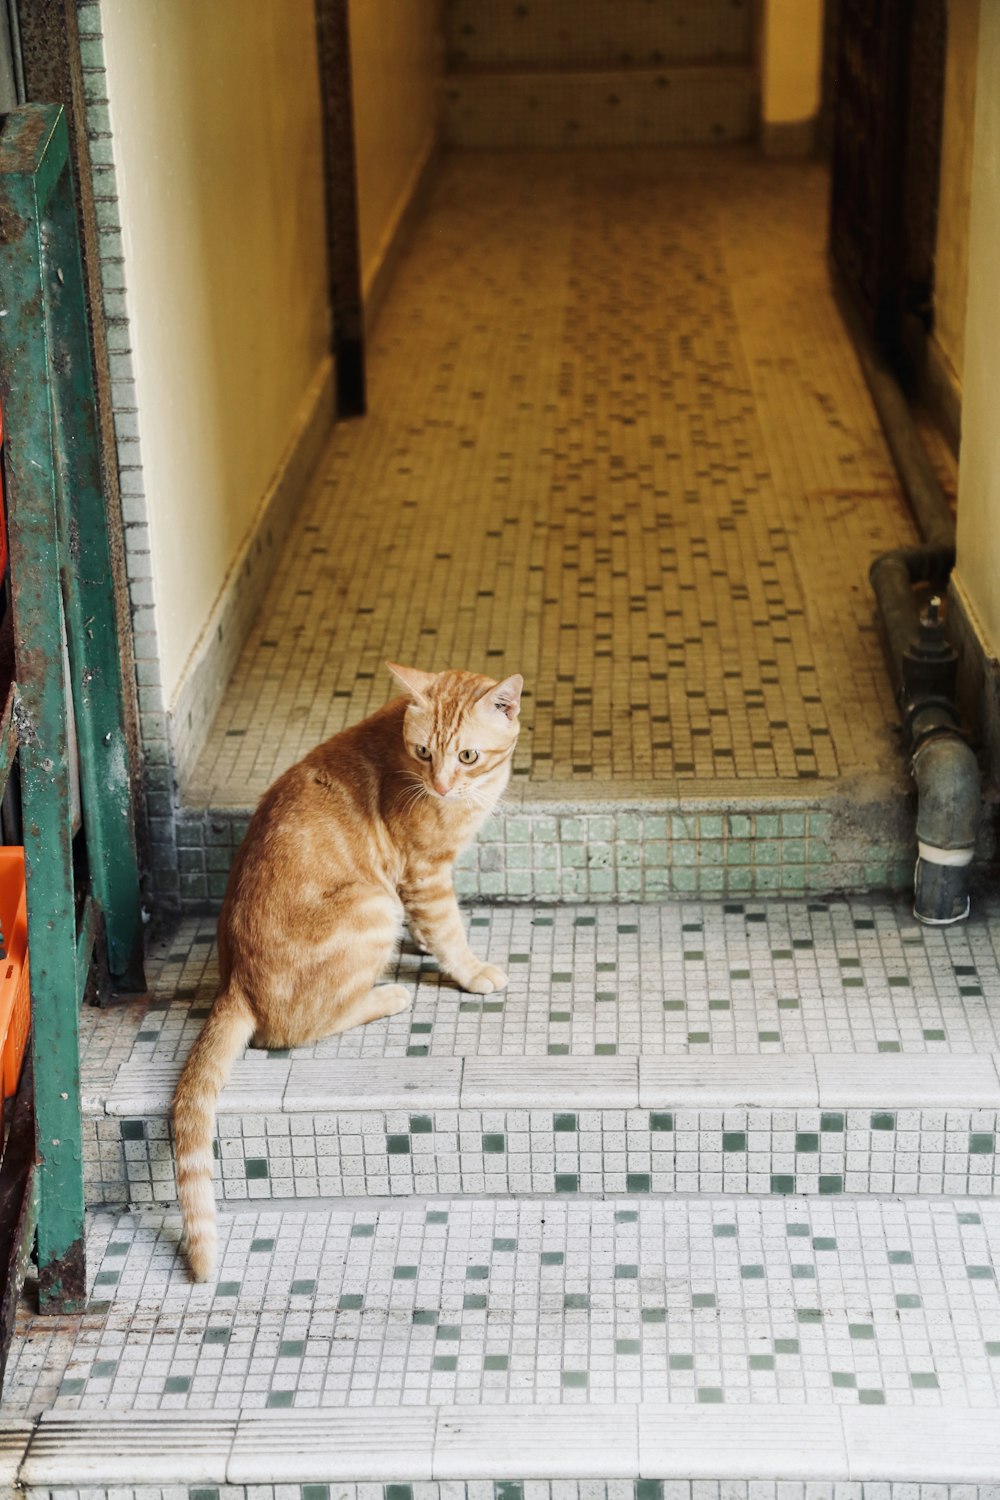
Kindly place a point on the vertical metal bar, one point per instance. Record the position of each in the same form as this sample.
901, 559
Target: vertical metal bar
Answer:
88, 589
343, 237
50, 47
32, 154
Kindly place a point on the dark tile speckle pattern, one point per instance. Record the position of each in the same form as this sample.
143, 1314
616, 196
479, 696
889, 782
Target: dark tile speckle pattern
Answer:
624, 448
722, 1300
733, 978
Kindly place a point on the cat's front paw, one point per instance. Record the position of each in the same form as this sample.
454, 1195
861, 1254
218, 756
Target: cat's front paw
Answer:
484, 980
392, 998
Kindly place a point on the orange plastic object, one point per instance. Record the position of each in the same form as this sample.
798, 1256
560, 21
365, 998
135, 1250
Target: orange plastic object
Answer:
3, 514
15, 993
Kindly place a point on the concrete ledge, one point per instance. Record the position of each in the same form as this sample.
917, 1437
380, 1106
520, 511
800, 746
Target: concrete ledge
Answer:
559, 842
786, 1081
543, 107
749, 1442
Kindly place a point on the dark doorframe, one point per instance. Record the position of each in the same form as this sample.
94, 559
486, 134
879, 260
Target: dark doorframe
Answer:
886, 168
341, 183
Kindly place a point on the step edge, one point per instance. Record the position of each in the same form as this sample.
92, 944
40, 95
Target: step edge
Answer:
562, 799
738, 65
654, 1440
723, 1081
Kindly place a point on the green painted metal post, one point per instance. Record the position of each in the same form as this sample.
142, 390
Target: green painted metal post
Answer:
29, 169
89, 597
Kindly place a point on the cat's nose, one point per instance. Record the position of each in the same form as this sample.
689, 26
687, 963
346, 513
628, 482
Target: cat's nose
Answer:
442, 787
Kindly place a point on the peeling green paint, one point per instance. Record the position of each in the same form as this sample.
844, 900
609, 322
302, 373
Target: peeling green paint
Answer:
61, 579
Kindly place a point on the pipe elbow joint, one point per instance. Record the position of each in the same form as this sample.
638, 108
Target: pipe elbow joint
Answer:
947, 776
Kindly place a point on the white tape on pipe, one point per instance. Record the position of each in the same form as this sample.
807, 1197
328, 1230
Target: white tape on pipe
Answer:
935, 856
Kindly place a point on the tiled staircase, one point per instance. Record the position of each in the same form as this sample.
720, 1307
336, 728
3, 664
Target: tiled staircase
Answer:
599, 72
707, 1197
704, 1205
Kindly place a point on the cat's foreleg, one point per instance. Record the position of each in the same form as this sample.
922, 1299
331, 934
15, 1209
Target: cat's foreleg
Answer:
432, 912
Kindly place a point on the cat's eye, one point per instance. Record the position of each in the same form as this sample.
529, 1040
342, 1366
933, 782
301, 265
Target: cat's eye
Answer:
422, 752
468, 757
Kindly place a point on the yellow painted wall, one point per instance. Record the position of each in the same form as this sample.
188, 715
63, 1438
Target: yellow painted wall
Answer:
397, 64
978, 565
216, 118
791, 61
951, 267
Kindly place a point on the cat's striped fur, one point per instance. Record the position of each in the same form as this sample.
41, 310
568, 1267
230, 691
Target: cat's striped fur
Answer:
356, 837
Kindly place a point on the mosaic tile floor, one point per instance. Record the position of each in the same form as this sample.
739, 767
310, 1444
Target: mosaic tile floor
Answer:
625, 448
729, 978
715, 1301
710, 1286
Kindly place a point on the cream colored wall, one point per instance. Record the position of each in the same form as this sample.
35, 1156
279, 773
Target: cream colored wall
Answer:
397, 62
216, 119
791, 61
951, 263
978, 565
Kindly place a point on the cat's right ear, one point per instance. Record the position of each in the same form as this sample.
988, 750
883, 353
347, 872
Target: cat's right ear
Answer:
416, 683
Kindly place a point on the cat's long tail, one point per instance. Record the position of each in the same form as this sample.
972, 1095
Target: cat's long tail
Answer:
229, 1027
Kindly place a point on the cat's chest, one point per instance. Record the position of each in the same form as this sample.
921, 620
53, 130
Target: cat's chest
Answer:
438, 832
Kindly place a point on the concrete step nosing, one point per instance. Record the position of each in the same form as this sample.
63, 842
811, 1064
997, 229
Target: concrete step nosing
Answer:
786, 1081
942, 1445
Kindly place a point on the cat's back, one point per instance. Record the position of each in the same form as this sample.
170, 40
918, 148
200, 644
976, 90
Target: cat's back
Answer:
327, 807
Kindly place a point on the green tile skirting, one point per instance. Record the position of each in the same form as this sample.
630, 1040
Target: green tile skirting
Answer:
551, 852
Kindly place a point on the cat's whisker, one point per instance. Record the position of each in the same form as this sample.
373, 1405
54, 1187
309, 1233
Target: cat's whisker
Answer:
413, 795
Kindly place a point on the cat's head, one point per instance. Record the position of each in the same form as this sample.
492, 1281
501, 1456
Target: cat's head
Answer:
459, 727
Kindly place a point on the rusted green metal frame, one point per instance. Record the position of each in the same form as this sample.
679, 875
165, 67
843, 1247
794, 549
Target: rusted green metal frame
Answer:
88, 595
60, 572
28, 153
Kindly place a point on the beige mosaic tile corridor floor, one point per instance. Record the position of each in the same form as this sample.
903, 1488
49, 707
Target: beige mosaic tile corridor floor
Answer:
617, 440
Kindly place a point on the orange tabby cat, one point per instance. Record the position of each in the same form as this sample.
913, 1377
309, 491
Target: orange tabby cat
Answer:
361, 832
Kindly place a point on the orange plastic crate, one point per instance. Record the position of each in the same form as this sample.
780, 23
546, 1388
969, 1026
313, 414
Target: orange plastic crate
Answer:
3, 513
15, 993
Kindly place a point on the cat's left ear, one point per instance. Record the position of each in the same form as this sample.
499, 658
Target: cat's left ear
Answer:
416, 683
505, 698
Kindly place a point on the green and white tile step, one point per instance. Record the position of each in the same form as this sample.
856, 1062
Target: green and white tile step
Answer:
827, 1124
849, 977
663, 842
720, 1339
800, 1047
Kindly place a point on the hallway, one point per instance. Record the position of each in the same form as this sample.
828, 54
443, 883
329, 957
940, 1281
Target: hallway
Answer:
618, 440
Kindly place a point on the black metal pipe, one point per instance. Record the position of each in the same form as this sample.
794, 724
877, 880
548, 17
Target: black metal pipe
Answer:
893, 576
922, 666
